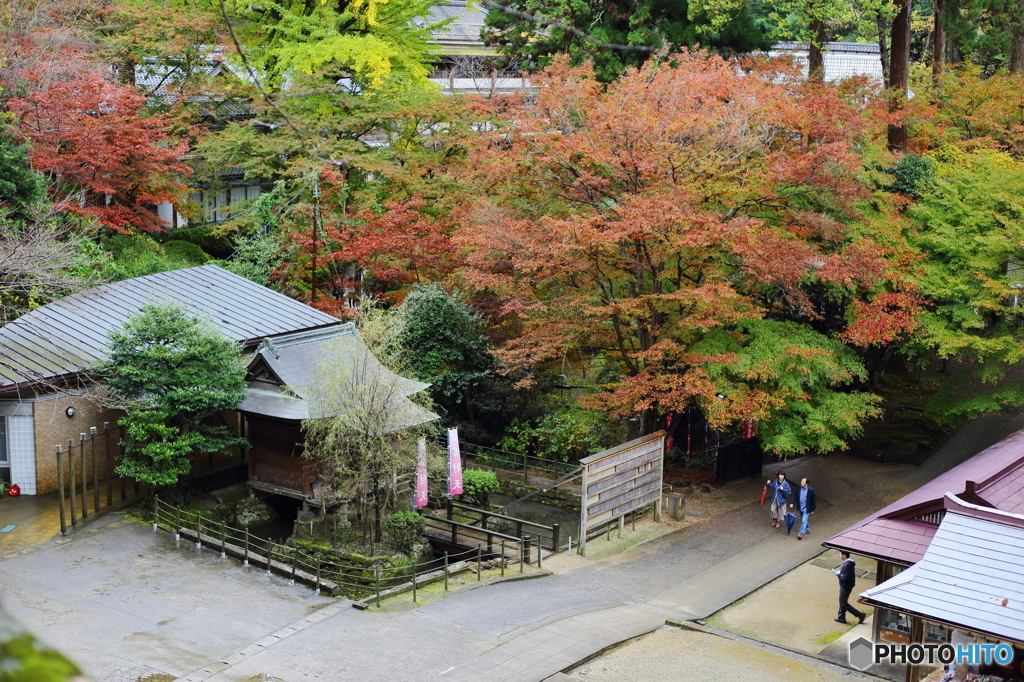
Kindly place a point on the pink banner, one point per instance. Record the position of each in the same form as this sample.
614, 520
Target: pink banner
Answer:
454, 463
421, 475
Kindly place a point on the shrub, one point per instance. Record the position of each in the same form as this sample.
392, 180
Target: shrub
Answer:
477, 486
405, 527
177, 249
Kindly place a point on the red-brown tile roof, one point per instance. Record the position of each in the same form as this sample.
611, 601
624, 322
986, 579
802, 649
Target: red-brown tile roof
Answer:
998, 475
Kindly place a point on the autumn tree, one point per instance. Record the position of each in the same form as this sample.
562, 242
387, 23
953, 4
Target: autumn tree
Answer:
692, 228
105, 158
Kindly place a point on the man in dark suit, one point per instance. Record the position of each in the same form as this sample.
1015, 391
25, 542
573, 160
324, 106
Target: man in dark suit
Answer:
805, 502
847, 581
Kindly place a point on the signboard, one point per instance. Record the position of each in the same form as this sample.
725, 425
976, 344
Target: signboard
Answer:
621, 480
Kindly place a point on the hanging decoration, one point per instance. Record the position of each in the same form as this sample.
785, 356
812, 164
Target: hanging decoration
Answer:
454, 463
422, 496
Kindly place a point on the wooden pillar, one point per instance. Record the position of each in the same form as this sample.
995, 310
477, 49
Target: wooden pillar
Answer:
881, 571
916, 637
582, 544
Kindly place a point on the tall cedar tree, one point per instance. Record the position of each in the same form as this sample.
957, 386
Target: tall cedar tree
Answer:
685, 224
105, 157
171, 372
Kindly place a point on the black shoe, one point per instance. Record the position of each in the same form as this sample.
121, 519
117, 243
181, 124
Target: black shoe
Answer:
860, 618
840, 620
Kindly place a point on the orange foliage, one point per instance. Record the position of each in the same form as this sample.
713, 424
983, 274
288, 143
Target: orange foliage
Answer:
632, 219
108, 160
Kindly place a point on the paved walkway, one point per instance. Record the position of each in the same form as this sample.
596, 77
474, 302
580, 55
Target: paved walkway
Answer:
128, 600
35, 522
558, 646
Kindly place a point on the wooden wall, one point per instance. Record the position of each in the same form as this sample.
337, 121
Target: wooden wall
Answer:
275, 458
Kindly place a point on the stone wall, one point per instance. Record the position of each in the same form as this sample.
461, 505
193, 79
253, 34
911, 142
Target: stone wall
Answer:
53, 427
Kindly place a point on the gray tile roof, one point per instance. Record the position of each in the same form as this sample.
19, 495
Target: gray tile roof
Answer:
971, 576
297, 359
467, 20
71, 334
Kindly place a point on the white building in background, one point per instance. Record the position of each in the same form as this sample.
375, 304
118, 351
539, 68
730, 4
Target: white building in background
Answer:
842, 60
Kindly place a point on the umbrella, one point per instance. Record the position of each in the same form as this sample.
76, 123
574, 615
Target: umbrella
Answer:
763, 493
790, 520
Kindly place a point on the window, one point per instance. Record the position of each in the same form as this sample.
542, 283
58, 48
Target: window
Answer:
5, 458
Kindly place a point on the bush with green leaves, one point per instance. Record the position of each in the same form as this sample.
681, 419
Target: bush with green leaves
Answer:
178, 249
477, 486
404, 527
566, 435
170, 371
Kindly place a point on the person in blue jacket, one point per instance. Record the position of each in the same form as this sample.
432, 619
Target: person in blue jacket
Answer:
806, 502
780, 491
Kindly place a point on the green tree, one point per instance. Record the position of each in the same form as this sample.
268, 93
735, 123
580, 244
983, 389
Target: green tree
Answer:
365, 427
969, 226
641, 27
20, 186
170, 371
445, 346
369, 41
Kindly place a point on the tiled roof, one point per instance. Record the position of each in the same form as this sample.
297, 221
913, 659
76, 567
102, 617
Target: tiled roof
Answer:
70, 335
296, 359
467, 20
972, 575
997, 474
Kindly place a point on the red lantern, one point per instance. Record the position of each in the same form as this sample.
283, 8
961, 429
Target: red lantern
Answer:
15, 490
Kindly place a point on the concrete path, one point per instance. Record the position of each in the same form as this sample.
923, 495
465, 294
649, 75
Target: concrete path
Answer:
35, 519
558, 646
127, 603
127, 600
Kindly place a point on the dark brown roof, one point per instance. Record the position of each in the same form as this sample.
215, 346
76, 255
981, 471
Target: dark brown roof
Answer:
903, 531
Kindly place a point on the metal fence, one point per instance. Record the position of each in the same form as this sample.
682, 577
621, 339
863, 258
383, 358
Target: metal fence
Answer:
90, 463
324, 571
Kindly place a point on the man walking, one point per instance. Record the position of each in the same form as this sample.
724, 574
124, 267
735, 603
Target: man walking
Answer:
806, 502
780, 491
847, 581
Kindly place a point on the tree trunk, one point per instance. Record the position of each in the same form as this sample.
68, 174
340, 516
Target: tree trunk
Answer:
126, 71
939, 43
815, 56
899, 73
1017, 40
883, 46
469, 406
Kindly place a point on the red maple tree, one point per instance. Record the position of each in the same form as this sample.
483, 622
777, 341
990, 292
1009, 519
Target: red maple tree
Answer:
106, 157
693, 226
383, 252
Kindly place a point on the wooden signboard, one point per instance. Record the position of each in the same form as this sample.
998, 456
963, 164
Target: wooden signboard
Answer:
620, 480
